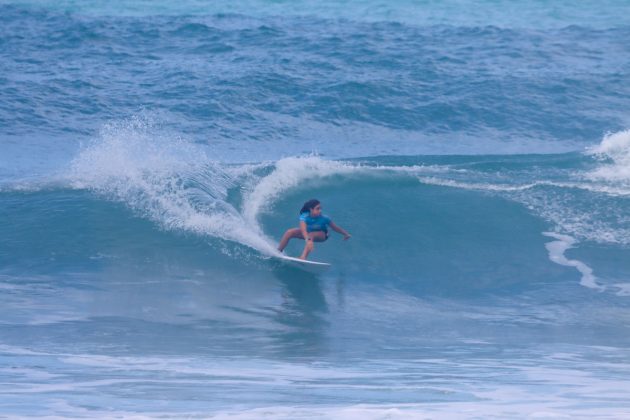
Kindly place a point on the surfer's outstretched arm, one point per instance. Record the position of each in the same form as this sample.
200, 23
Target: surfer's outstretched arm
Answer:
341, 230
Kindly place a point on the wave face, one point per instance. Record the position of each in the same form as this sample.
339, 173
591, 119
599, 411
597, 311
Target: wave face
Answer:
152, 154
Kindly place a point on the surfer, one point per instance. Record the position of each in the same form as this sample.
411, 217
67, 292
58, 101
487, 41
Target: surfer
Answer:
313, 228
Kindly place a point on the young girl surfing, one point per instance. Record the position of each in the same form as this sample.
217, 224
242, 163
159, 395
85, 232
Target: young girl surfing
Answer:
313, 228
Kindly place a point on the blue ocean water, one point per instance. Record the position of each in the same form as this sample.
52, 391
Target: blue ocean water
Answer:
153, 153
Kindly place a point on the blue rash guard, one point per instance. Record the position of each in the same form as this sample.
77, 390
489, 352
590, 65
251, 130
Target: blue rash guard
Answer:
315, 224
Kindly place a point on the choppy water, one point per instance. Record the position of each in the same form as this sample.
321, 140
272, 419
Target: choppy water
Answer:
153, 153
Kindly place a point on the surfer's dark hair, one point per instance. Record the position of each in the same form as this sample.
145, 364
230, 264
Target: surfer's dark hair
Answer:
310, 204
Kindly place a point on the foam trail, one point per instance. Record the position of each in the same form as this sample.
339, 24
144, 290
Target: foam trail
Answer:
556, 251
479, 186
482, 186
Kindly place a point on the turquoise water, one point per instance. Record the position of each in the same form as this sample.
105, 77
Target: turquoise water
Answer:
152, 154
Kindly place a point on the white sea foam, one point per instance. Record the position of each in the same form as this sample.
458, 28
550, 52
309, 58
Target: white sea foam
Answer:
551, 386
586, 218
557, 249
614, 150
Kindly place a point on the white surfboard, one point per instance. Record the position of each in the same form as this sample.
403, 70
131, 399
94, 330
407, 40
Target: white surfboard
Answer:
313, 267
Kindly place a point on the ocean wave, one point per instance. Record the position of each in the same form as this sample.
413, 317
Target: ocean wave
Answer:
180, 186
160, 181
